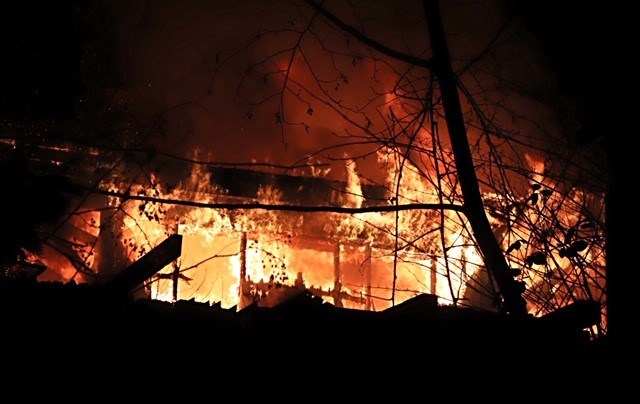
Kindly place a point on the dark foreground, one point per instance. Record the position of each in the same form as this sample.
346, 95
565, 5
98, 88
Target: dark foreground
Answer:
44, 322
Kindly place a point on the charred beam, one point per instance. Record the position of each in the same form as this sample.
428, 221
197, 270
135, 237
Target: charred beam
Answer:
367, 278
141, 270
433, 276
244, 288
337, 276
290, 208
576, 316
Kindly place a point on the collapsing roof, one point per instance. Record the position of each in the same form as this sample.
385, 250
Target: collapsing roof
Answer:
245, 183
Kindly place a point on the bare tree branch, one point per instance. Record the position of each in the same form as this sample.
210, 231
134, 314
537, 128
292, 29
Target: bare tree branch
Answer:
367, 40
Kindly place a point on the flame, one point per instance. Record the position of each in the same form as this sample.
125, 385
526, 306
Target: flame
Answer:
569, 237
354, 195
353, 255
242, 257
536, 166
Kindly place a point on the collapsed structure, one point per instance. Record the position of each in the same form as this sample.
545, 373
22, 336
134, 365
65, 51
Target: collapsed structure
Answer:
89, 325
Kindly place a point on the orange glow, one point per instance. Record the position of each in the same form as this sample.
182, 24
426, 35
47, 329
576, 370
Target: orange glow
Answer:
287, 250
348, 260
243, 257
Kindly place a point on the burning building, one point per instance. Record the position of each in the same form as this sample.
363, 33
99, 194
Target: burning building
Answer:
245, 254
254, 234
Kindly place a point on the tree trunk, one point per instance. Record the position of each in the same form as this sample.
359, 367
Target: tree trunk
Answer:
513, 302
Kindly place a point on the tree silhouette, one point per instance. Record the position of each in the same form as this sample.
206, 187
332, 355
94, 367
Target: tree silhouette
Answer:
552, 231
30, 201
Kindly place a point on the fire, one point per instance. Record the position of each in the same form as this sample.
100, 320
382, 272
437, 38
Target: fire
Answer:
565, 257
551, 233
364, 261
346, 259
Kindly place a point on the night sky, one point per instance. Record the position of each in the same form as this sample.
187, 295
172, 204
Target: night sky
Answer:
155, 56
114, 66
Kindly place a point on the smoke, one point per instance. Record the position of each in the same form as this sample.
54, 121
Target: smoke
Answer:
178, 86
190, 81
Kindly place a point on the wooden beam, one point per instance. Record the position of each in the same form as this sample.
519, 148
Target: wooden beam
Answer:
337, 277
141, 270
367, 277
433, 281
244, 297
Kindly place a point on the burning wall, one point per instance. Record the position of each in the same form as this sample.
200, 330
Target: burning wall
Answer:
238, 256
347, 260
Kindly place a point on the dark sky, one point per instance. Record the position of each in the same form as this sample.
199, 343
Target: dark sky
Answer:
41, 52
131, 60
45, 47
116, 66
589, 45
